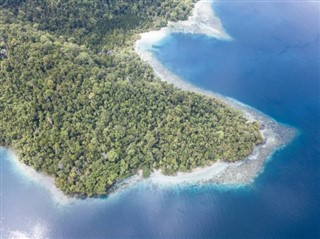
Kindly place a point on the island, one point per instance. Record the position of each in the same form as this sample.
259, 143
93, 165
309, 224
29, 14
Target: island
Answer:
83, 101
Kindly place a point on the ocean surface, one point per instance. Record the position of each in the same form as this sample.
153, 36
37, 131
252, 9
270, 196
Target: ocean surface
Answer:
272, 63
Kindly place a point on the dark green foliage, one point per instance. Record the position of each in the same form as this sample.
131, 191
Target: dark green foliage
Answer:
77, 103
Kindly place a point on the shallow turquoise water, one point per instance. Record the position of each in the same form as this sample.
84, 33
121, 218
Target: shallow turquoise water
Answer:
272, 64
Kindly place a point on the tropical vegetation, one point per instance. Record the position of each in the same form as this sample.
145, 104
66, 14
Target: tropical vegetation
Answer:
77, 103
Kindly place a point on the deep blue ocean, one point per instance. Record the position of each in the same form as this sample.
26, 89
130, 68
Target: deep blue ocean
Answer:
272, 63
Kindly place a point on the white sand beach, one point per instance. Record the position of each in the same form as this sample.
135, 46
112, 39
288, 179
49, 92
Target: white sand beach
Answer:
32, 176
203, 21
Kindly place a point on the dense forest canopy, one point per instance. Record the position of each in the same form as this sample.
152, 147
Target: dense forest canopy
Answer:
77, 103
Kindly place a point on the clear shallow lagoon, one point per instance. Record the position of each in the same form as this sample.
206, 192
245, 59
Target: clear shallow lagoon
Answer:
272, 64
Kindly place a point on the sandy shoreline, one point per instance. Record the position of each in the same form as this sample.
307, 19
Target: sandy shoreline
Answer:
203, 21
33, 176
276, 135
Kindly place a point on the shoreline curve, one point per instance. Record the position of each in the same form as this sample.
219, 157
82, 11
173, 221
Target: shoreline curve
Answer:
204, 22
276, 136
